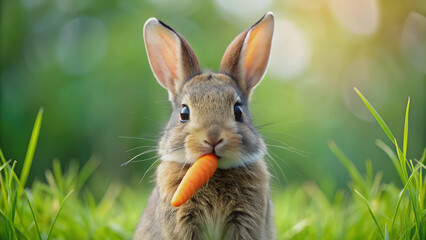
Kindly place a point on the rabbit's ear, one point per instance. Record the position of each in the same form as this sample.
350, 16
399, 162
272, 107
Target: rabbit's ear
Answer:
170, 56
246, 58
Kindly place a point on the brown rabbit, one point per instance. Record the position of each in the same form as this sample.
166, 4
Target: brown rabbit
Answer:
210, 115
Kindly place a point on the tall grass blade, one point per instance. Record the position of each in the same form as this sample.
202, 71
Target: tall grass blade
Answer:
13, 174
34, 217
4, 165
391, 156
57, 173
376, 115
57, 214
370, 204
85, 172
410, 191
386, 232
31, 149
7, 229
356, 176
14, 203
3, 159
371, 213
420, 164
3, 185
12, 194
400, 197
404, 144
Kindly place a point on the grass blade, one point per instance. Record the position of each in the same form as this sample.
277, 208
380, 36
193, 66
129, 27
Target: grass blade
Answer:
13, 174
376, 115
57, 174
31, 149
7, 230
57, 214
86, 171
400, 197
371, 213
420, 164
12, 194
3, 159
391, 156
386, 232
404, 148
410, 191
34, 217
353, 171
370, 204
4, 165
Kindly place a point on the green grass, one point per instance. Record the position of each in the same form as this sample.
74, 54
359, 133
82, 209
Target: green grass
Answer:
64, 206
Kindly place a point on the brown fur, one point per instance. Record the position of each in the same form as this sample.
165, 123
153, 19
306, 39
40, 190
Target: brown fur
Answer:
235, 203
240, 195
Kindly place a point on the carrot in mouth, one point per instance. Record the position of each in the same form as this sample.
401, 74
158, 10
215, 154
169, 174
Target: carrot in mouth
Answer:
196, 176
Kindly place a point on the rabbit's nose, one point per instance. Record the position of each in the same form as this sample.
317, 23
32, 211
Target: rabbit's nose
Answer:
214, 144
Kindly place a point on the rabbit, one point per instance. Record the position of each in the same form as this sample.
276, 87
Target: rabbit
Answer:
210, 115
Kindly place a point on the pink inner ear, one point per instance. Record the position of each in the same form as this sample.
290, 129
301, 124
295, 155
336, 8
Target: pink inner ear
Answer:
164, 59
257, 53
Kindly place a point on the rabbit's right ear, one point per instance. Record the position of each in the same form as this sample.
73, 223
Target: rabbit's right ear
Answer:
170, 56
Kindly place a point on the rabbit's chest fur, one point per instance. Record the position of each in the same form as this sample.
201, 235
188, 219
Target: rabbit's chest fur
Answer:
234, 204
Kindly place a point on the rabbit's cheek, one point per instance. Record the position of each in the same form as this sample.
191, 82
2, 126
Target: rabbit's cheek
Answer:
173, 156
231, 160
194, 147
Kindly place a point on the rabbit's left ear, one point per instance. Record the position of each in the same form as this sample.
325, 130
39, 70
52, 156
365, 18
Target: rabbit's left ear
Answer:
246, 58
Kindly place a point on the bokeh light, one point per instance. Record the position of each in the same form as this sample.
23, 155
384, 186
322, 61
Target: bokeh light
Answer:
72, 5
243, 9
368, 75
183, 7
290, 54
358, 16
413, 40
82, 44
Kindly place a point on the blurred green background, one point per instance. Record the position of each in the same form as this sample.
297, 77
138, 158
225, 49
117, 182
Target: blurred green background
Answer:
84, 62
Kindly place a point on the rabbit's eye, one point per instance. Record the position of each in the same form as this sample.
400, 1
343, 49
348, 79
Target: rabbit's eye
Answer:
184, 113
238, 112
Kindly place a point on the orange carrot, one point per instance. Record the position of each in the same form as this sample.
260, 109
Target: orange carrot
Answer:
196, 176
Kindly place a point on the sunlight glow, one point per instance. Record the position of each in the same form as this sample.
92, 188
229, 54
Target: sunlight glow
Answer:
291, 53
243, 9
366, 74
358, 16
413, 41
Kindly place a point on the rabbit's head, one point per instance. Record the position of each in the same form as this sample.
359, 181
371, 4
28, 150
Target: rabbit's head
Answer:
210, 110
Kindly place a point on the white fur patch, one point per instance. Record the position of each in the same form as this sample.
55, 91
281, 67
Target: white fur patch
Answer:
176, 156
241, 159
214, 226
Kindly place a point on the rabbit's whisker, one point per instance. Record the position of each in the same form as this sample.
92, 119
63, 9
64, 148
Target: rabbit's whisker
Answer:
150, 167
287, 145
272, 162
281, 133
138, 155
144, 160
140, 138
152, 147
290, 149
264, 125
285, 162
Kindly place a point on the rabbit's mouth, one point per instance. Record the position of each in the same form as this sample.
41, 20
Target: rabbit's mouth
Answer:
214, 153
